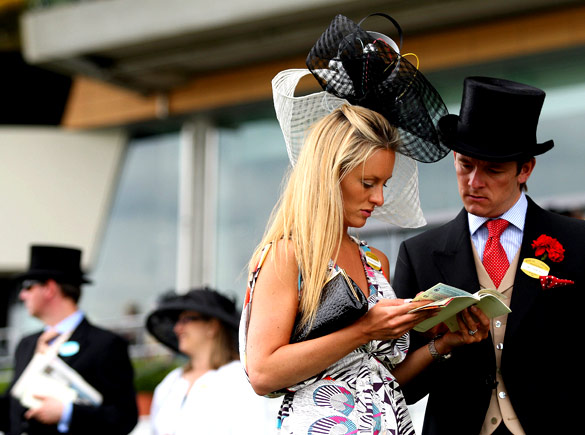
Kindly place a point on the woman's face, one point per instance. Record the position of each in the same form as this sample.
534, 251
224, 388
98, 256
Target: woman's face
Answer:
362, 188
192, 330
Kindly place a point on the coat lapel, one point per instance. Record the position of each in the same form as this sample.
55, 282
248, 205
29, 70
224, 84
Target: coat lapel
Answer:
454, 258
78, 336
455, 262
526, 288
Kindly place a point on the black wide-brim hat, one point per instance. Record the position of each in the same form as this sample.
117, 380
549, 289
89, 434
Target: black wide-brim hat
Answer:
63, 264
497, 121
205, 301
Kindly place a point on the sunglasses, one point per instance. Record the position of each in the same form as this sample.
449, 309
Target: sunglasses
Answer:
192, 318
27, 284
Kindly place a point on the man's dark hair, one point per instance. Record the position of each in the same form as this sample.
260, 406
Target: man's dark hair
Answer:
71, 291
519, 164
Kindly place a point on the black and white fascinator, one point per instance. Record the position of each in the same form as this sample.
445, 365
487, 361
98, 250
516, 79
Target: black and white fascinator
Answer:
365, 68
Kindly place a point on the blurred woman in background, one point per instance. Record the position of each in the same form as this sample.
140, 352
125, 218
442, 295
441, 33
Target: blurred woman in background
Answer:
210, 393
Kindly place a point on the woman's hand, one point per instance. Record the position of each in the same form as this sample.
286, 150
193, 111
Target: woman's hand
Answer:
390, 318
474, 327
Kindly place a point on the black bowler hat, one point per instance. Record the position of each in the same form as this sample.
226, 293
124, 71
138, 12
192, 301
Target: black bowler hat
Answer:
497, 121
55, 262
205, 301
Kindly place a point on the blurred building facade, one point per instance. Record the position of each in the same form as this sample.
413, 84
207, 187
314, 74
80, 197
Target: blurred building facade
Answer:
168, 121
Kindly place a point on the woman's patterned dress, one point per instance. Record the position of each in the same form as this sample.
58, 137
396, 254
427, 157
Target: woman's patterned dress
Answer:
357, 394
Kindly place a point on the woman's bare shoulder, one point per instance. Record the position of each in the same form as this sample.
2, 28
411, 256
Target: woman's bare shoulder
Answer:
280, 263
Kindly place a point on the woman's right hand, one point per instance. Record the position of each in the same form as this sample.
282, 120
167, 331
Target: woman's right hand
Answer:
390, 318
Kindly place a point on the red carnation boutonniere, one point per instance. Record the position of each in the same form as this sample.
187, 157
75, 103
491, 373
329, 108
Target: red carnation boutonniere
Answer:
547, 247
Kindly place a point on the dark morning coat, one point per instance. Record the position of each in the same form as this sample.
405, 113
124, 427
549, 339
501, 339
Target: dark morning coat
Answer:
102, 360
542, 355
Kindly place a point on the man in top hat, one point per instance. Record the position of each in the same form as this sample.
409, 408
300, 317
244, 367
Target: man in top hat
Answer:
519, 380
50, 290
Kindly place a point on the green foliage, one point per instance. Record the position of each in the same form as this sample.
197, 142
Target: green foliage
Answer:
149, 372
4, 386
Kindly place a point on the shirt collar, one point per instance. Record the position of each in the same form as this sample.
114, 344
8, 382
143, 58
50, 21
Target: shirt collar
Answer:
516, 215
70, 322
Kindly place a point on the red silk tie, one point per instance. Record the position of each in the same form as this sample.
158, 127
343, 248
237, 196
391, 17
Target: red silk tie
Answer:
495, 260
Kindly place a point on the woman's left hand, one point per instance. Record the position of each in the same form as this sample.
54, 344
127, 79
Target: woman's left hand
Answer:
474, 327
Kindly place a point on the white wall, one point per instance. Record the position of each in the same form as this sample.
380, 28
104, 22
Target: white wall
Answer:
56, 187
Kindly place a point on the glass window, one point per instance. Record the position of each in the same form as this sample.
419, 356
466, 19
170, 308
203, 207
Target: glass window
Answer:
252, 163
137, 260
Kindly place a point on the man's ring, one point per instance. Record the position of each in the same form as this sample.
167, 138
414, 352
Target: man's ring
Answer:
472, 332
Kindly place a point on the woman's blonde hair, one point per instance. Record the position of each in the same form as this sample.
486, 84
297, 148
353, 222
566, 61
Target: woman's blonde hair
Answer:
310, 210
225, 348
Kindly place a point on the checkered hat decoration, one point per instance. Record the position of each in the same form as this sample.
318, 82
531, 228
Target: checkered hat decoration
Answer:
366, 69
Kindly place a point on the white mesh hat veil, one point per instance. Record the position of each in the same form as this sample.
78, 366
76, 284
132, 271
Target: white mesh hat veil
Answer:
297, 114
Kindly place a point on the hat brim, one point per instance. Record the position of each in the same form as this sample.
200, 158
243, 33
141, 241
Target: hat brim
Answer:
40, 274
161, 322
160, 325
450, 138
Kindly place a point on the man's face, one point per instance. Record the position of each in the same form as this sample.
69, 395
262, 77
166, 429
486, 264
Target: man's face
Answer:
489, 189
33, 296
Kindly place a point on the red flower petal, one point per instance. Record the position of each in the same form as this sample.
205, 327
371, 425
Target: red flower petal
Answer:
549, 245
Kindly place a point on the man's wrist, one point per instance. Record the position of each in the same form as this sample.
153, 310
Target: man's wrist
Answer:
65, 421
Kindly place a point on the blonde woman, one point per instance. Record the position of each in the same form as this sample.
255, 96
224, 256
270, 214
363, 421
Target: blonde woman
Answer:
350, 377
376, 115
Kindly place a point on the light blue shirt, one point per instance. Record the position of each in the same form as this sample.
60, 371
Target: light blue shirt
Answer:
511, 238
67, 324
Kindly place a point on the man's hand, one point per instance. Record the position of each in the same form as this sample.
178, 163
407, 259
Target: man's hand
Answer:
44, 339
49, 412
474, 326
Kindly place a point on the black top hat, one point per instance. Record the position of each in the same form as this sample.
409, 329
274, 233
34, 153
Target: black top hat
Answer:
55, 262
497, 121
205, 301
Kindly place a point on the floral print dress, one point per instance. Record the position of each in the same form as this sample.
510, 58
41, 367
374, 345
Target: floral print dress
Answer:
357, 394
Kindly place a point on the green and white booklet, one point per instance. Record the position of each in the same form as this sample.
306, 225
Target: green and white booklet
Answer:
451, 300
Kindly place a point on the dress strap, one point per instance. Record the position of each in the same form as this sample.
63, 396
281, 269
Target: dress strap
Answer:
371, 260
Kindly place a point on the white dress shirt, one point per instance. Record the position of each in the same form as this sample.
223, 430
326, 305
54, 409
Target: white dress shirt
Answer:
221, 402
511, 238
